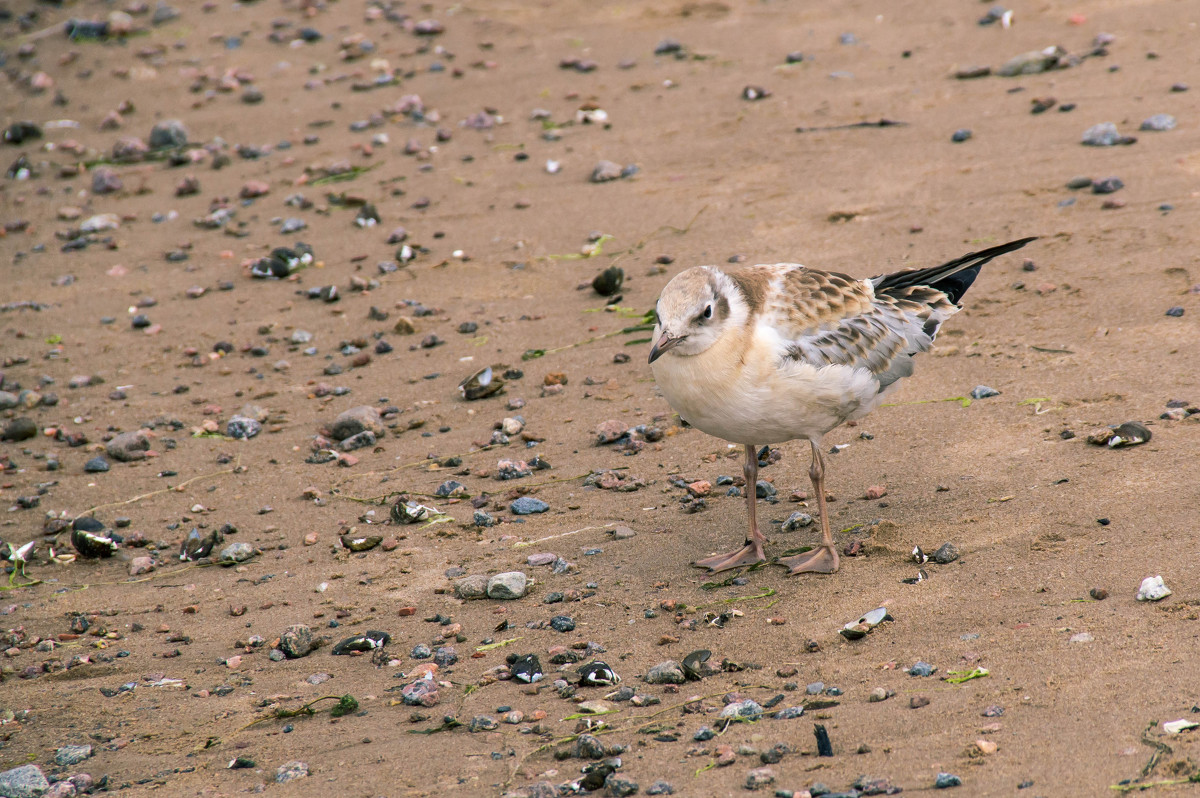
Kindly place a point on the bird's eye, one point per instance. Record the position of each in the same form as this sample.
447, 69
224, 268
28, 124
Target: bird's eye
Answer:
707, 311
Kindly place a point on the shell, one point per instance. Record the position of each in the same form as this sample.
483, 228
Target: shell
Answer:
480, 385
196, 546
598, 674
361, 542
527, 668
92, 539
409, 512
693, 664
364, 641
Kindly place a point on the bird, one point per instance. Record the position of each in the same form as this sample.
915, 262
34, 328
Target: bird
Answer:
770, 353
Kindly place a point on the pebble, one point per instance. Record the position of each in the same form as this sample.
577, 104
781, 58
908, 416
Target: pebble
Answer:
660, 787
562, 623
358, 419
983, 392
242, 427
1076, 183
128, 446
877, 694
1081, 637
921, 669
749, 709
945, 780
763, 489
97, 465
296, 641
669, 672
471, 587
946, 554
527, 505
291, 771
235, 553
1108, 185
22, 429
605, 171
759, 778
509, 585
961, 135
796, 520
1153, 589
168, 133
619, 786
1098, 593
421, 693
1158, 122
26, 781
1104, 135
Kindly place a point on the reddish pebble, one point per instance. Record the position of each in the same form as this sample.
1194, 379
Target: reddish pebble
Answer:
876, 492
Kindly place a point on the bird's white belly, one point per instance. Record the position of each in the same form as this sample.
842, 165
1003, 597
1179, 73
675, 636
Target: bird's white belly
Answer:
759, 402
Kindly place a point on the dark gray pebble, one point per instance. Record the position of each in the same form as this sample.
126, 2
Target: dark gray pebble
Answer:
946, 553
961, 135
563, 623
97, 465
945, 780
1175, 311
1108, 185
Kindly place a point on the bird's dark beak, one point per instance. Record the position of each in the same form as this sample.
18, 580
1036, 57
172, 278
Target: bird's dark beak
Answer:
664, 343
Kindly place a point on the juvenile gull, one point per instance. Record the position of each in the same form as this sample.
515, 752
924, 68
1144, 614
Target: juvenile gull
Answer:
777, 352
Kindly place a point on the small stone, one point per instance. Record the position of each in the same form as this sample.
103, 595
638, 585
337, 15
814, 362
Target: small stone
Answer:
945, 780
471, 587
669, 672
128, 446
759, 778
1153, 589
1076, 183
141, 565
356, 420
878, 694
704, 734
291, 771
619, 786
1102, 135
421, 693
1108, 185
70, 755
875, 492
235, 553
748, 709
296, 641
242, 427
983, 392
961, 135
1098, 593
22, 429
921, 669
660, 787
1081, 637
26, 781
946, 554
605, 171
763, 489
509, 585
562, 623
1175, 311
168, 133
97, 465
1159, 122
918, 701
527, 505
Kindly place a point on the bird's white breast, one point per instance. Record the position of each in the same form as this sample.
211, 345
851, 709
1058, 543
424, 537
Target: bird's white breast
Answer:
745, 390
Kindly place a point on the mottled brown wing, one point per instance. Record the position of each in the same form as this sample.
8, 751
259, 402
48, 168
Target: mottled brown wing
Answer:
826, 318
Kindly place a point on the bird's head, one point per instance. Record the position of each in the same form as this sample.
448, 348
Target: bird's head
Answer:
693, 311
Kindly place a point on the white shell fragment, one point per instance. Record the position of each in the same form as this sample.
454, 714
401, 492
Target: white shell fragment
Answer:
856, 630
1177, 726
1153, 589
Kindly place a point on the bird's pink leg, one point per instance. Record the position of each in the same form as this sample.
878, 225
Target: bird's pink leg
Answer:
752, 552
824, 558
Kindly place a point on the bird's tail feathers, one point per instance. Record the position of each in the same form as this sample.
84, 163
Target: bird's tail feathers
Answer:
953, 278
